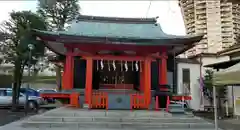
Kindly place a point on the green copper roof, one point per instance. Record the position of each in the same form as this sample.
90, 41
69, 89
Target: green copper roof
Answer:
110, 30
118, 28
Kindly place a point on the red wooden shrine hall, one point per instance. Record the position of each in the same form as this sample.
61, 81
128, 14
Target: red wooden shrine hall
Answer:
129, 43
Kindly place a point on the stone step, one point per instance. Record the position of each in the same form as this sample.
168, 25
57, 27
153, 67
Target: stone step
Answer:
114, 125
109, 119
176, 110
110, 114
176, 105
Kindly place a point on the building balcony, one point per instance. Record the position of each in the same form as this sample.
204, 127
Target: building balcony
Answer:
200, 12
201, 17
227, 35
190, 22
234, 1
189, 6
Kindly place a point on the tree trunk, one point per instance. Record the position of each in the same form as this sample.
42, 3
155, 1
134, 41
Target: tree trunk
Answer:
58, 77
16, 85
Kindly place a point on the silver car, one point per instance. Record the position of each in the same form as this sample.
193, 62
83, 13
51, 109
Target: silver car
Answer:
6, 99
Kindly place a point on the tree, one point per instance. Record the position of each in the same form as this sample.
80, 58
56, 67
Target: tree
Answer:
15, 46
221, 91
208, 85
58, 14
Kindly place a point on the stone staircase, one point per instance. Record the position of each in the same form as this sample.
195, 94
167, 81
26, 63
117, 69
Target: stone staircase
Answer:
176, 108
80, 119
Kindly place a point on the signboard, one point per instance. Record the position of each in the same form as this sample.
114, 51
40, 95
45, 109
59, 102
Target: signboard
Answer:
237, 106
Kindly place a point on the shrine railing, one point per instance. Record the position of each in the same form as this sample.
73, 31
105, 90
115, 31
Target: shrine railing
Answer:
99, 100
138, 101
74, 100
157, 105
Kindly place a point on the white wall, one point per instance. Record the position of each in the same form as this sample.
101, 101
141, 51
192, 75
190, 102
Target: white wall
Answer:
195, 103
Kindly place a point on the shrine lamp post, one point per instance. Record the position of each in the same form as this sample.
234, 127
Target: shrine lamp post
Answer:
30, 47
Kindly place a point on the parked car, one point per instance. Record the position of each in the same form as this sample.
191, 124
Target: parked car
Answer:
6, 99
44, 90
29, 91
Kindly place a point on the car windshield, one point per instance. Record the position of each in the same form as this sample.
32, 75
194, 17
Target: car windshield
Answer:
9, 93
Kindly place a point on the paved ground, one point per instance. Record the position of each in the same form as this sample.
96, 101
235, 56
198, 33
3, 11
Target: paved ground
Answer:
102, 120
226, 124
7, 116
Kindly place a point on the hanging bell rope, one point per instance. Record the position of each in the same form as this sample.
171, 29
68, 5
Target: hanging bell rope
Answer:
121, 64
136, 66
126, 66
132, 66
140, 65
97, 66
114, 65
109, 68
102, 66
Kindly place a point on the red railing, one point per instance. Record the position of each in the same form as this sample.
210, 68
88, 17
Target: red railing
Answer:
157, 105
74, 100
138, 101
55, 95
168, 103
181, 98
99, 100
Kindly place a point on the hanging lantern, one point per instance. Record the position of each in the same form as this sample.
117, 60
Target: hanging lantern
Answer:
114, 65
126, 66
109, 68
101, 63
136, 65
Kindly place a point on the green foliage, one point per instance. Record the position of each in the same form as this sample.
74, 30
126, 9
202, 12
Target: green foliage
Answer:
6, 80
18, 28
59, 12
15, 46
208, 85
221, 91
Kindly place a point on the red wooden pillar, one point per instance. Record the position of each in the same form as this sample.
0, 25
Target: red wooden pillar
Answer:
63, 75
68, 72
141, 76
163, 69
88, 87
147, 81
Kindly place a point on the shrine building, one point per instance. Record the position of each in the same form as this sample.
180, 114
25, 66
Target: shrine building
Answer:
117, 63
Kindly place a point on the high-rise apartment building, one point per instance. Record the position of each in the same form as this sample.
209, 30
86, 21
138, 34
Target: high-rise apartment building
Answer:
218, 20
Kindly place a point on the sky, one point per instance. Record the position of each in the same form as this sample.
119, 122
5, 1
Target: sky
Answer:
169, 12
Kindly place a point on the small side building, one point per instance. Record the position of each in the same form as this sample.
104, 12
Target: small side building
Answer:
188, 73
